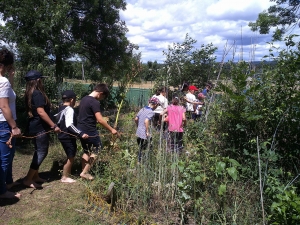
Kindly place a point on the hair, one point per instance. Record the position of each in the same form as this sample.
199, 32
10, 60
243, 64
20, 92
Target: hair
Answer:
6, 57
175, 101
32, 85
66, 99
102, 88
160, 90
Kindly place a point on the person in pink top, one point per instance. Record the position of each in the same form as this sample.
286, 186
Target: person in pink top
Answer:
176, 119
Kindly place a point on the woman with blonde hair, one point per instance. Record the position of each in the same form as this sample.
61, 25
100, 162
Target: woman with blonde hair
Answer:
38, 110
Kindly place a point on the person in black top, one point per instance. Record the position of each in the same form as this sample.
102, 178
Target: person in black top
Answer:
38, 110
67, 121
89, 115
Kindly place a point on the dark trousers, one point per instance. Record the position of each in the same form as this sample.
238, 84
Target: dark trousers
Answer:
41, 146
143, 144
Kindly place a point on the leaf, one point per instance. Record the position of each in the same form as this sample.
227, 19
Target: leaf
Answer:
222, 189
232, 172
234, 162
220, 167
197, 178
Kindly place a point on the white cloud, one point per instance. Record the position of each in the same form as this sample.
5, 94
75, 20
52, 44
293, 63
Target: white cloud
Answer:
154, 25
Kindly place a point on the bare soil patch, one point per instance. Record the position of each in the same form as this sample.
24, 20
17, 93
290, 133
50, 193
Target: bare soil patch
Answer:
56, 203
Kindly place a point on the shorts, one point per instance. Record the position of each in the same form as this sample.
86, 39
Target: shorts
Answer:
70, 147
92, 144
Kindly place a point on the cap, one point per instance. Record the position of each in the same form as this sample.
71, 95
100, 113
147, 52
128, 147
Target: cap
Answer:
68, 94
33, 75
192, 87
154, 101
201, 95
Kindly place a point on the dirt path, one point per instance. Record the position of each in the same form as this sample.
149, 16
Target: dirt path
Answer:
56, 203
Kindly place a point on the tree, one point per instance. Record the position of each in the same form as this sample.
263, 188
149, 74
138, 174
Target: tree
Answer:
50, 32
186, 64
284, 16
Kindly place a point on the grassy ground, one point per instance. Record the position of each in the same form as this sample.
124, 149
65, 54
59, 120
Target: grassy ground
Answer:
56, 203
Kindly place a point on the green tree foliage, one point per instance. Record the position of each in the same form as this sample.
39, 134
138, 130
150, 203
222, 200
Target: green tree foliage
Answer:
284, 16
50, 32
186, 64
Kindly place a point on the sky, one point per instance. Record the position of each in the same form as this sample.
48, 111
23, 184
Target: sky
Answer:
155, 25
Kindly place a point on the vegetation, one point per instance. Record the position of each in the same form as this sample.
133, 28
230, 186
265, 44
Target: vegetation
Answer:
241, 162
284, 16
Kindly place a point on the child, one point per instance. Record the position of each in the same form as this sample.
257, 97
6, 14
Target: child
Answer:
89, 115
142, 121
190, 99
161, 96
176, 119
67, 123
38, 110
200, 106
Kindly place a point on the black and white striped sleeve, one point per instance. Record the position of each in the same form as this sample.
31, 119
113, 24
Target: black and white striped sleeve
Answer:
69, 115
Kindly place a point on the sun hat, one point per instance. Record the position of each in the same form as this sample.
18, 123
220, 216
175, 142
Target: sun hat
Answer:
33, 75
201, 95
154, 101
68, 94
192, 87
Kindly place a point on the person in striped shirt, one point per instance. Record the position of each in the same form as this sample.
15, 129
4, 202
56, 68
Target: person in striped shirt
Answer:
66, 120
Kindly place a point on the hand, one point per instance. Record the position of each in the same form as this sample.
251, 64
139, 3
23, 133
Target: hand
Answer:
57, 130
85, 136
16, 132
114, 131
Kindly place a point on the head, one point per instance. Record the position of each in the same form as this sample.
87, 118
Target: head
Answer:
154, 102
161, 91
69, 96
184, 87
175, 101
208, 86
102, 91
6, 60
34, 82
201, 96
193, 88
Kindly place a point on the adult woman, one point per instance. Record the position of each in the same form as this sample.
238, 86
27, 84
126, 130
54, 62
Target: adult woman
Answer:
38, 110
8, 124
161, 96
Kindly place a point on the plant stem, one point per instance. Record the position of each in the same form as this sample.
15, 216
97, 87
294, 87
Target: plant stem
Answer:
260, 182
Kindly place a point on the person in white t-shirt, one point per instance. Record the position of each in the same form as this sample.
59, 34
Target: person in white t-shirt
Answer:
191, 100
8, 125
161, 96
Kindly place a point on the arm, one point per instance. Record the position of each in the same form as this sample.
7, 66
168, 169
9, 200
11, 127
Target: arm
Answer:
183, 119
44, 116
4, 106
136, 120
69, 115
164, 112
147, 127
104, 123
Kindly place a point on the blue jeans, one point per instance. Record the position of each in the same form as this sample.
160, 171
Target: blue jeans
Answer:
6, 156
41, 146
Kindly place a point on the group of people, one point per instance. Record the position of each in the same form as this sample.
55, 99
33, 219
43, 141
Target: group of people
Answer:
173, 116
40, 124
